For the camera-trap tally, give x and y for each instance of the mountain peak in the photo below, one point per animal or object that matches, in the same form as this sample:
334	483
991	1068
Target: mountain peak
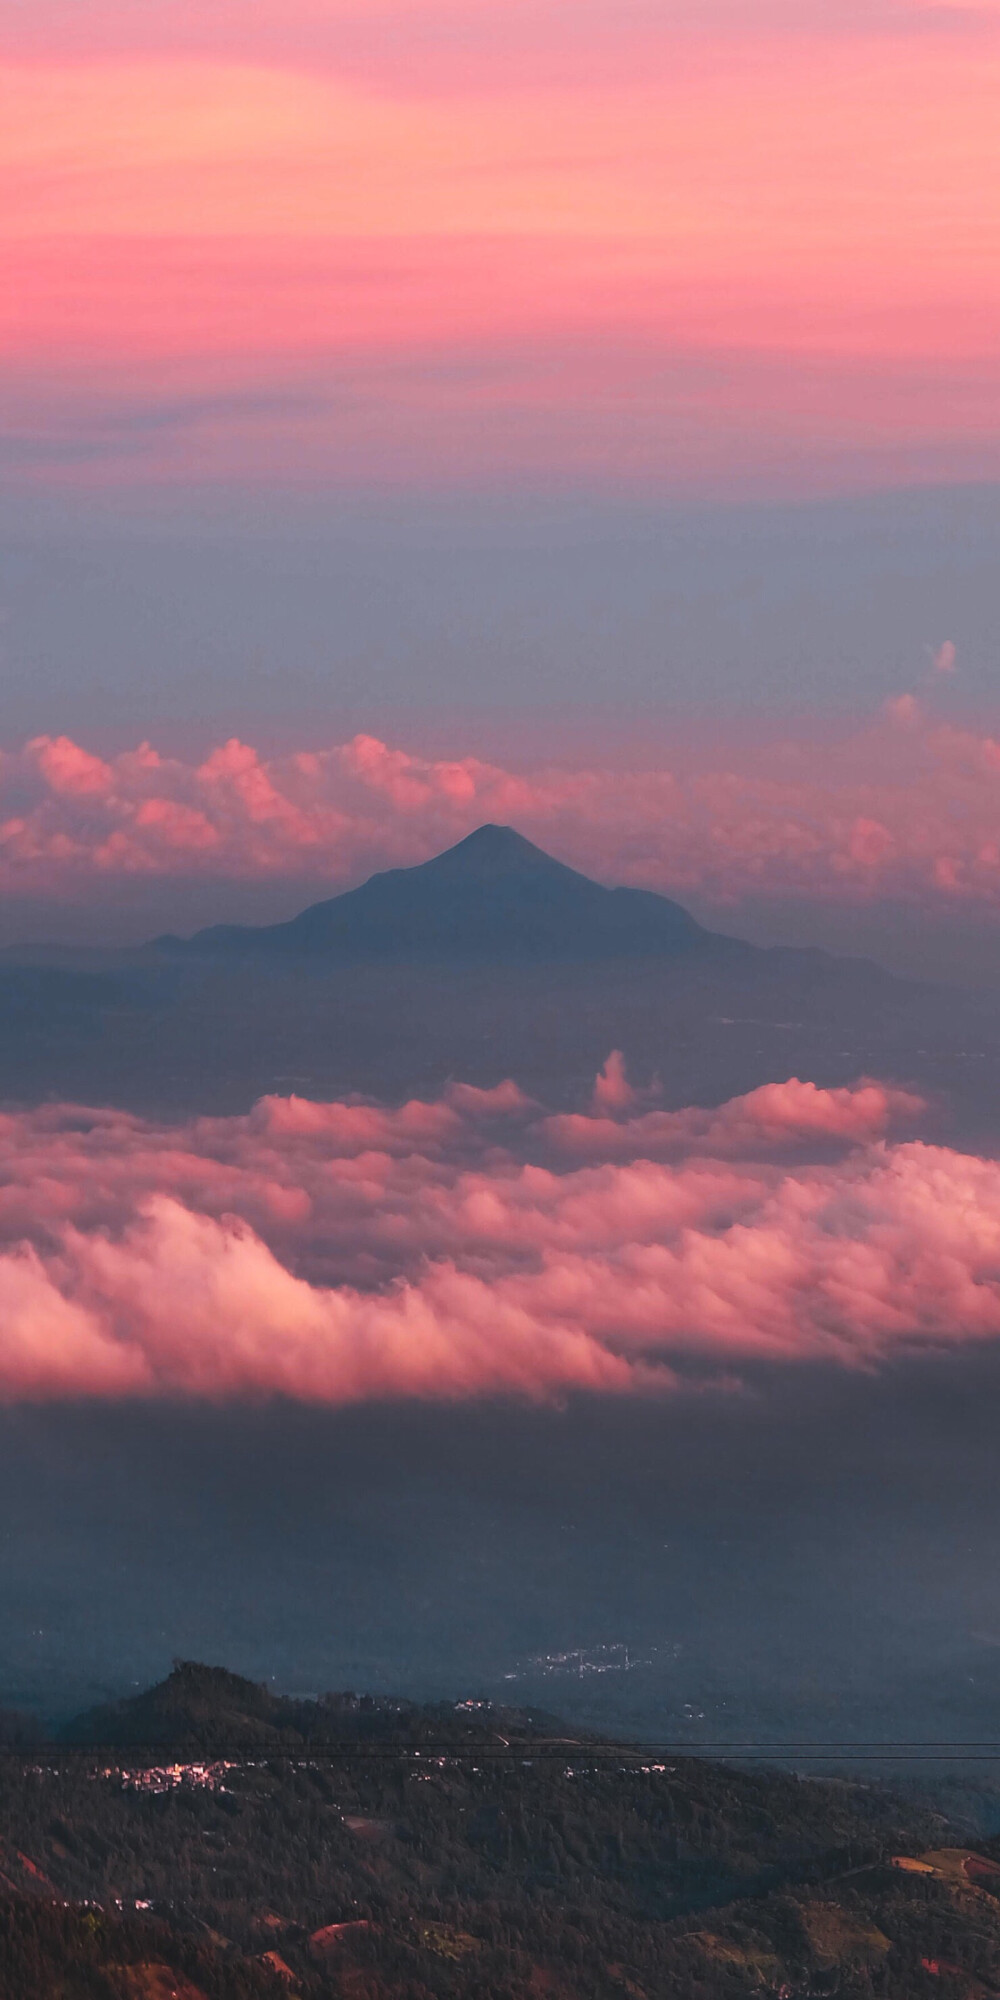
492	838
492	850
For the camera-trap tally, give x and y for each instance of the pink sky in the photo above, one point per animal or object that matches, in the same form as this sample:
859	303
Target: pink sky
692	247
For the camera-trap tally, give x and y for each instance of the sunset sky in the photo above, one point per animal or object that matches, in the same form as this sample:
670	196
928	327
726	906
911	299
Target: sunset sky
532	384
690	248
581	415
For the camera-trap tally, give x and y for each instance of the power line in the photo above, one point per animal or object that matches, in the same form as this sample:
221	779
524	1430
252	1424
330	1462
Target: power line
629	1755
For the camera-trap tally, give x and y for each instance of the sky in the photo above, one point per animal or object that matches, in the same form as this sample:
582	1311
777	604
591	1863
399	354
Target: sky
689	249
539	384
577	414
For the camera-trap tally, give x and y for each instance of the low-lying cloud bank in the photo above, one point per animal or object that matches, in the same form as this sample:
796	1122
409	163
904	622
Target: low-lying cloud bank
907	809
477	1245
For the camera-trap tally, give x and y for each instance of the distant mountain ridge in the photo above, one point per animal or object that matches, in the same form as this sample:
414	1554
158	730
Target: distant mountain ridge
495	894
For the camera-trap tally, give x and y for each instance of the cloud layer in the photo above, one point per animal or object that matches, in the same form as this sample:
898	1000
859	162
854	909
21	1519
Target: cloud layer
907	809
477	1246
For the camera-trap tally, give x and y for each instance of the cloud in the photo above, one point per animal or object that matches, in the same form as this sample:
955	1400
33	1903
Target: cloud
780	1115
473	1246
905	809
613	1091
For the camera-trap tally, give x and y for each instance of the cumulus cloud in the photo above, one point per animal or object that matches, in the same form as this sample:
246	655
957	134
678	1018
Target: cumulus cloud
905	809
777	1115
476	1245
612	1090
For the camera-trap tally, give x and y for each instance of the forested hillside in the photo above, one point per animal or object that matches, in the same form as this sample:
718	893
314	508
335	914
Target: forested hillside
463	1853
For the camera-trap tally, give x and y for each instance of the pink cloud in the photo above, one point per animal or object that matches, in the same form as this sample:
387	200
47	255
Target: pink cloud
613	1091
779	1115
69	771
906	809
347	1251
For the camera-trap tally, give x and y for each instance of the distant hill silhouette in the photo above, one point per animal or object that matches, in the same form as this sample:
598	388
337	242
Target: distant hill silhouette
210	1710
494	895
195	1706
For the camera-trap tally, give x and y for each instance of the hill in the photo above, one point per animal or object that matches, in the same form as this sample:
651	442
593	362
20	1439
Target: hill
54	1951
491	1870
214	1712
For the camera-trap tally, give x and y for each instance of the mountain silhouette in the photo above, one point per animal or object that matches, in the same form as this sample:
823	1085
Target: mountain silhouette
494	895
492	960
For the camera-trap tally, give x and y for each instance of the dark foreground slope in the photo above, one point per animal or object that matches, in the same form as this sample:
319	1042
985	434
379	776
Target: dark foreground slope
492	960
467	1866
51	1950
